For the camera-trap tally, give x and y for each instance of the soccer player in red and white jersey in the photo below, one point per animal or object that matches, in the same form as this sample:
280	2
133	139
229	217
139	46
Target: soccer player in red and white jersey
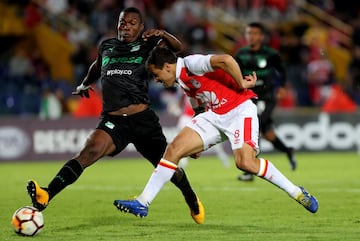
214	80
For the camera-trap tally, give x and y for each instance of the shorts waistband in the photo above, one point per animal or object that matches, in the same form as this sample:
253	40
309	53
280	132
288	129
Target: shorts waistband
123	117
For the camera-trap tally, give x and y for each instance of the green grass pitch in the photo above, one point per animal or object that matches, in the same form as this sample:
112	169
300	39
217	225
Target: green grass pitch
255	211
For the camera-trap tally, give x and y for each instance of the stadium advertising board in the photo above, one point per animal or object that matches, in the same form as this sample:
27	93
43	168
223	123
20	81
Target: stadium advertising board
33	139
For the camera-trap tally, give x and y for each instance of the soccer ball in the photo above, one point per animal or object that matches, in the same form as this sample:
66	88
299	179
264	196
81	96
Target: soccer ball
27	221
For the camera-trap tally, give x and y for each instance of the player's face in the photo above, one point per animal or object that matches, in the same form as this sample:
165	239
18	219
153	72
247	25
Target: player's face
254	36
129	27
164	75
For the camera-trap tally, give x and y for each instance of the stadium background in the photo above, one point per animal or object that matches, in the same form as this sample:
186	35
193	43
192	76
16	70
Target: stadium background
47	46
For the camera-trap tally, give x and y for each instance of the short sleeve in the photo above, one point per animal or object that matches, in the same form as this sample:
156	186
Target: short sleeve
198	64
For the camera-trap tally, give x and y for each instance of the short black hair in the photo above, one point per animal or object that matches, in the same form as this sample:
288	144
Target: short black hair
257	25
159	56
133	10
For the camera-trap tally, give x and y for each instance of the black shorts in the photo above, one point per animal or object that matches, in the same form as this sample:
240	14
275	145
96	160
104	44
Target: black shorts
142	129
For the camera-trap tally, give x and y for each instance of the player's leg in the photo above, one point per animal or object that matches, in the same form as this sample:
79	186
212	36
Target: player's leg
149	140
270	136
245	147
152	144
243	135
153	149
265	110
267	129
166	170
191	140
97	145
182	121
246	161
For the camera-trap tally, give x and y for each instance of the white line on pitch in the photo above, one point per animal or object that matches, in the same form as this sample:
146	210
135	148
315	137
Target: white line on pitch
209	189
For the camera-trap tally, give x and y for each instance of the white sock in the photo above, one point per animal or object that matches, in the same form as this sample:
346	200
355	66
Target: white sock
162	174
269	172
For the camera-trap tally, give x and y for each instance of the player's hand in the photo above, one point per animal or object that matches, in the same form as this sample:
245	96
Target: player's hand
250	80
152	32
83	90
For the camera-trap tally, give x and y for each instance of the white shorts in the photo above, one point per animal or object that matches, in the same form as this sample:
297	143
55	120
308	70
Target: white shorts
183	120
239	126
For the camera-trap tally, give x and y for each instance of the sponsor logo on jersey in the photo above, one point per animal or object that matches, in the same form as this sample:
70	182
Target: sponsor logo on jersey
135	48
124	60
211	99
262	63
119	72
109	125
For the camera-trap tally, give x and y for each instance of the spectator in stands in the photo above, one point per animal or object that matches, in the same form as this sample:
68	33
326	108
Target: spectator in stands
32	15
320	74
80	60
103	18
50	108
20	65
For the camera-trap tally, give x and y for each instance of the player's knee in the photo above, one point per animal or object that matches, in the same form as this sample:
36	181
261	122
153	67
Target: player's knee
173	152
91	152
93	146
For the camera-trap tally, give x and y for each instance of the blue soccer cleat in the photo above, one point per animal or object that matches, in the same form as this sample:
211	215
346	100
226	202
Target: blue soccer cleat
132	206
307	200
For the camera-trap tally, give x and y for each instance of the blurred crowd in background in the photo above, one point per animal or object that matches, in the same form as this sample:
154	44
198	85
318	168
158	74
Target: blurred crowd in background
322	57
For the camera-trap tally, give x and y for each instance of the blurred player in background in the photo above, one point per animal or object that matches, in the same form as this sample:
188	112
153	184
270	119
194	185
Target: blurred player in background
214	80
270	86
126	116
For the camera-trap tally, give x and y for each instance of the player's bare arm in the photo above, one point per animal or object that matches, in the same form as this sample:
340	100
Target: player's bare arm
230	66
